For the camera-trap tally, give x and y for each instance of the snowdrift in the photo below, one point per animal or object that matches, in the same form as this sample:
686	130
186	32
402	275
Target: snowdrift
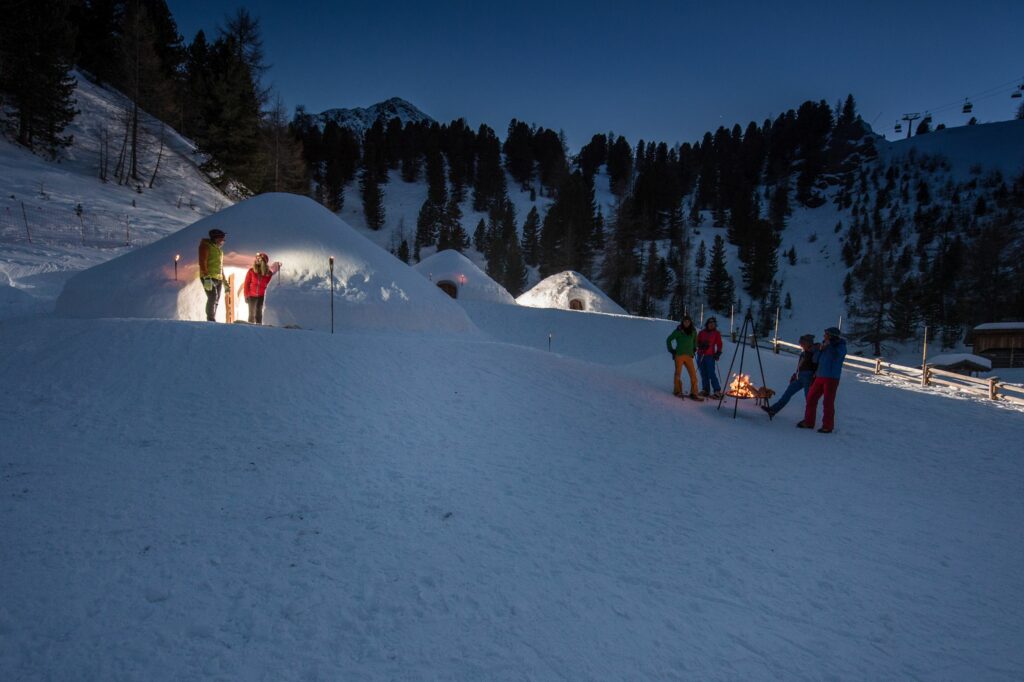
373	289
569	290
451	271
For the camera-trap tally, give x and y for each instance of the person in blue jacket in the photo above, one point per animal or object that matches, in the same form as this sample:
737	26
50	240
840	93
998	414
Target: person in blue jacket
831	355
802	378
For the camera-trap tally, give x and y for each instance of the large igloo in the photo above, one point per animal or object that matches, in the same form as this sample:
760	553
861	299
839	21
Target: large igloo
373	289
569	290
461	279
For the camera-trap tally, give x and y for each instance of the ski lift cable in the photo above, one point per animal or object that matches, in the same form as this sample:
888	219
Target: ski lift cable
1001	89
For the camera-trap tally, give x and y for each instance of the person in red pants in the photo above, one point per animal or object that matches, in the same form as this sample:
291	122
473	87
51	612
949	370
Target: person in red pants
826	382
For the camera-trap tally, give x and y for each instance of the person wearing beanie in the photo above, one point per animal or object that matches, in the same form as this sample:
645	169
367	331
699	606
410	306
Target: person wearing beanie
802	378
211	270
831	355
255	286
682	343
709	349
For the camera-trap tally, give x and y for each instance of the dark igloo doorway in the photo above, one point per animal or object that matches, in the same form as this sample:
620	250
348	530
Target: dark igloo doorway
448	288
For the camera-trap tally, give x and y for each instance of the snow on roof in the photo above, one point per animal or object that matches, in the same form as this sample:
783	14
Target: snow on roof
1000	326
472	282
948	359
558	291
373	289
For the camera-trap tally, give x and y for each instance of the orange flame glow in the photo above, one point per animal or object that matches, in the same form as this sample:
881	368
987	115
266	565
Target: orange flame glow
742	388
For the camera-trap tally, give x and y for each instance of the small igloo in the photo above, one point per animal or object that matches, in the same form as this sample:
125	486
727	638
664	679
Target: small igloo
372	288
461	279
569	290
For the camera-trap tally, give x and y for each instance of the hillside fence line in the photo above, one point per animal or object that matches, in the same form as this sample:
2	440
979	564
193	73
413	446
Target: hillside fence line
29	223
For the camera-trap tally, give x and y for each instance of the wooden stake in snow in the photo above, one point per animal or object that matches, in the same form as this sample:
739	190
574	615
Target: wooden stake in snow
330	262
24	216
924	358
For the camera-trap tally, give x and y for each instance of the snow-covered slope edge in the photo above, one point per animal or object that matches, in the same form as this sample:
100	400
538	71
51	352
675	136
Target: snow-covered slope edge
54	193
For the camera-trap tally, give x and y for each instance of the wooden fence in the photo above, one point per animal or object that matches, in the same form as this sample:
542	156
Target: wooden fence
926	375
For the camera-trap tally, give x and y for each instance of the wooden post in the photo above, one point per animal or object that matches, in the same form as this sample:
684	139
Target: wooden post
549	341
330	261
924	358
229	300
775	344
840	323
700	320
24	217
993	388
878	365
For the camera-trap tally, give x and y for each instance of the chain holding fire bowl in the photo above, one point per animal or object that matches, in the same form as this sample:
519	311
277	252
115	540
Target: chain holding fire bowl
741	388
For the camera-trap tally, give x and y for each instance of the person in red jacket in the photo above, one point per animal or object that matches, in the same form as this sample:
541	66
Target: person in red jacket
255	286
709	349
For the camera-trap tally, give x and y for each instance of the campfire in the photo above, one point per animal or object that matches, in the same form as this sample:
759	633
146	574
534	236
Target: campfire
742	388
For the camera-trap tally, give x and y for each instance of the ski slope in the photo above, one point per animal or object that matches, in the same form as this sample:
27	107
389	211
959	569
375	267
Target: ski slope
185	500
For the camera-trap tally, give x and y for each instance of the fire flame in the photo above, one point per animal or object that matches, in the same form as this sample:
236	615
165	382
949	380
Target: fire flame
742	388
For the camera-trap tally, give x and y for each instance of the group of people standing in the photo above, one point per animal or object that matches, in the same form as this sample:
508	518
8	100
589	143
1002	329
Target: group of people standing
686	345
817	374
211	276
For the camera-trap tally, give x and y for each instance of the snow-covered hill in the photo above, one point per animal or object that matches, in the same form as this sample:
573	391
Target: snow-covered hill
65	202
359	119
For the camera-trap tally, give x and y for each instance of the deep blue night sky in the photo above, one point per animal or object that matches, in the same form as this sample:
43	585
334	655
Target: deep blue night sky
653	70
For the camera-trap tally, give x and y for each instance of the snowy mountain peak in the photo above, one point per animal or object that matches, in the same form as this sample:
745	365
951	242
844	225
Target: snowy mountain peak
358	119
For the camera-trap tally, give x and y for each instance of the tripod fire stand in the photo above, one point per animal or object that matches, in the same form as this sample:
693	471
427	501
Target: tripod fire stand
741	349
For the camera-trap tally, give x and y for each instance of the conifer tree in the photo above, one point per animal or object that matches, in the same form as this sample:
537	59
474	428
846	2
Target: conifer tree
36	47
718	286
373	199
531	236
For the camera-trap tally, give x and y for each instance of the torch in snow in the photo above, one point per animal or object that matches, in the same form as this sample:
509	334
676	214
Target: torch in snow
330	262
177	257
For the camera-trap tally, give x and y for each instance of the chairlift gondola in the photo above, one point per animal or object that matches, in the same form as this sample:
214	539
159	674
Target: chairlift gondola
1016	94
899	127
927	118
968	107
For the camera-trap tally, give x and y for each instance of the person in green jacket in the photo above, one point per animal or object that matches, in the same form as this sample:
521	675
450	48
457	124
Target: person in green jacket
211	270
684	338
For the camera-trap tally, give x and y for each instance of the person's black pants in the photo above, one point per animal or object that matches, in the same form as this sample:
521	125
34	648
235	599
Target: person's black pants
255	309
212	299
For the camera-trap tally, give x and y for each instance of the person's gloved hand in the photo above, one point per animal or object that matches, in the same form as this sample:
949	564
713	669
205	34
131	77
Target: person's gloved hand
718	356
792	378
207	283
275	266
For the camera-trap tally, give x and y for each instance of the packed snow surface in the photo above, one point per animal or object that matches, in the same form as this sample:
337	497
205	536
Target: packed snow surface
373	289
472	283
562	289
183	500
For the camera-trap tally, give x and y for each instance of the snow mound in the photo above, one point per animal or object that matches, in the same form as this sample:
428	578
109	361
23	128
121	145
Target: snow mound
569	290
451	270
373	289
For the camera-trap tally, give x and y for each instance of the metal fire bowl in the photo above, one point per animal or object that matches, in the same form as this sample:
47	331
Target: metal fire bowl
741	397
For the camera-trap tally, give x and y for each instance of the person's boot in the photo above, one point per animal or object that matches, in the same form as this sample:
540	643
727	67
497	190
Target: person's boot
824	430
804	425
